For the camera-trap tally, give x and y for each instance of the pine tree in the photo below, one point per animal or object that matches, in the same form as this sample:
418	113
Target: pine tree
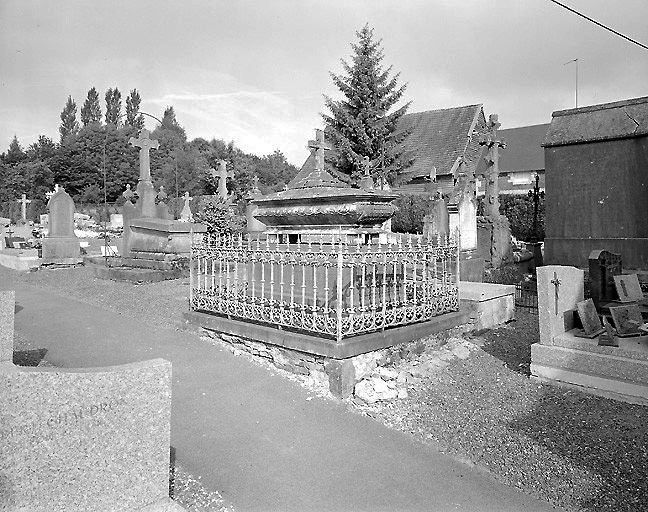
133	117
360	124
69	124
15	153
91	110
169	122
113	106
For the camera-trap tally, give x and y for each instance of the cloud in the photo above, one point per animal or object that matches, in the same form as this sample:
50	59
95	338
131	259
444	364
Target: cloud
257	121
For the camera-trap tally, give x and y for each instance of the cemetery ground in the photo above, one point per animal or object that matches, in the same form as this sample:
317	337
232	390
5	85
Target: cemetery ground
470	396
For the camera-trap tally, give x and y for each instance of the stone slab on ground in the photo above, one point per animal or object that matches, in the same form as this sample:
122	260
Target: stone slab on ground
492	304
130	274
20	259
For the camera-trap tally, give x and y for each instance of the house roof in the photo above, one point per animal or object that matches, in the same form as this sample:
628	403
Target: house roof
440	137
608	121
523	150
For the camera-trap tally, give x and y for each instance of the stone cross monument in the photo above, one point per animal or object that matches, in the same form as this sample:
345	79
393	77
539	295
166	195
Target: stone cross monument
145	189
491	141
186	215
320	146
222	174
23	207
366	182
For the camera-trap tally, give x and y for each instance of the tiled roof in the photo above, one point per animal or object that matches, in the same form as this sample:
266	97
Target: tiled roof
439	137
617	120
523	150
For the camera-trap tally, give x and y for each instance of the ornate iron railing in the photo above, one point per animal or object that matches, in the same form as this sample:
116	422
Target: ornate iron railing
330	288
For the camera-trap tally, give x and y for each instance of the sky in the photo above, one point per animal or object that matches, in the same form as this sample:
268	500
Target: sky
254	72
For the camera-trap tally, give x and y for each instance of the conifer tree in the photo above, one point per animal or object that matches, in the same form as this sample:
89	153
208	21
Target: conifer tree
15	153
113	106
91	110
69	124
361	123
133	117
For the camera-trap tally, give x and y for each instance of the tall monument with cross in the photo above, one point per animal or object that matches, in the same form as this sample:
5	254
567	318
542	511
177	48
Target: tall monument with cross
23	207
491	140
319	146
145	189
221	175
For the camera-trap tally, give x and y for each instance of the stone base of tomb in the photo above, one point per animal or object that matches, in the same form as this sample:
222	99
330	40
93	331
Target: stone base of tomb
342	364
620	372
116	269
491	304
471	266
61	251
20	259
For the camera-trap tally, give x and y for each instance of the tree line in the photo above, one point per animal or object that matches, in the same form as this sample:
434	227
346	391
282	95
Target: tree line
94	161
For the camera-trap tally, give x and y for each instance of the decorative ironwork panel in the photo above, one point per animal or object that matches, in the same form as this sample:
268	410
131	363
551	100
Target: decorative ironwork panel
328	288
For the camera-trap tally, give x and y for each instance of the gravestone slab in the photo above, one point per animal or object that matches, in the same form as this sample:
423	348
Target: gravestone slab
589	318
628	288
61	244
560	288
603	266
93	439
627	319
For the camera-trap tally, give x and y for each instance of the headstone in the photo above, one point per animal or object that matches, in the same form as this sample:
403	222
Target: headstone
589	318
603	266
44	219
129	212
467	223
23	207
116	220
61	244
436	222
85	439
253	225
185	214
145	190
48	195
559	290
627	319
628	288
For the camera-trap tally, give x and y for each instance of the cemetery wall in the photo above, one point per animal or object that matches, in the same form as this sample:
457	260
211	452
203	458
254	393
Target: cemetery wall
599	200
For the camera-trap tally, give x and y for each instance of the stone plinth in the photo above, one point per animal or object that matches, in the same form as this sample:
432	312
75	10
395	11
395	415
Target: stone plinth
492	304
64	250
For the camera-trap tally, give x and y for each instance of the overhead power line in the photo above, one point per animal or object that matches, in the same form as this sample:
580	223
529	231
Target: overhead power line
600	24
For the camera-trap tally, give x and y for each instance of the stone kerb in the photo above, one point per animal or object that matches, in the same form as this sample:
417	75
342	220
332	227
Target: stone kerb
559	289
7	301
84	440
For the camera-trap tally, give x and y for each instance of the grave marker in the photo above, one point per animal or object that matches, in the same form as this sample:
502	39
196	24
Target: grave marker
560	288
589	319
23	207
61	244
628	288
627	319
603	266
83	439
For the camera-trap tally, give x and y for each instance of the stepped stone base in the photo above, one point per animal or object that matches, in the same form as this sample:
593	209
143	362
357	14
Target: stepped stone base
615	372
20	259
61	250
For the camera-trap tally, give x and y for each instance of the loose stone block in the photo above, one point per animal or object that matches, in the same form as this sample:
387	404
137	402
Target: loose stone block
341	377
560	288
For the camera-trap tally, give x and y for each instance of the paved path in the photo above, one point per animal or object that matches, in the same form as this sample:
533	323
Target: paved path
259	439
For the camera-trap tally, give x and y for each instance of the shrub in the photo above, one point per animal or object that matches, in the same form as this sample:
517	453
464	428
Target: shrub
219	217
411	210
519	211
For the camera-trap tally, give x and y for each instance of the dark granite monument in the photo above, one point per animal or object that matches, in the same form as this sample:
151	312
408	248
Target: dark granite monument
603	266
597	183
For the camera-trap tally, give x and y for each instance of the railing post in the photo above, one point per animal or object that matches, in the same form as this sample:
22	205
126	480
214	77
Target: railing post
338	307
191	251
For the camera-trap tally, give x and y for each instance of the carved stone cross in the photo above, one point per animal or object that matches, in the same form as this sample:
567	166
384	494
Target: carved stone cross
365	166
556	282
320	146
491	141
23	206
145	143
221	175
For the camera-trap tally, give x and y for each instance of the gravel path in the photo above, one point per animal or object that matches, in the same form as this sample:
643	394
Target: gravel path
577	451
